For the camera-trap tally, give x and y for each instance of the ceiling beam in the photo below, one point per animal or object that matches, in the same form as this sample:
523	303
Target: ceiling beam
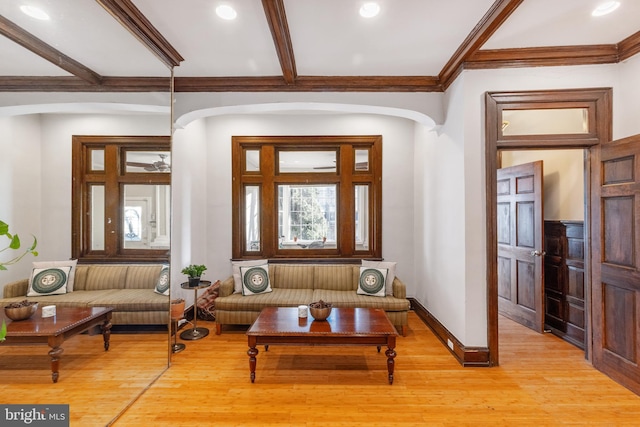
277	20
543	56
490	22
309	84
133	20
42	49
629	46
75	84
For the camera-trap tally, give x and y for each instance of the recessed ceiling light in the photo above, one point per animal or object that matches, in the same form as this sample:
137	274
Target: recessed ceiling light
369	10
226	12
34	12
605	8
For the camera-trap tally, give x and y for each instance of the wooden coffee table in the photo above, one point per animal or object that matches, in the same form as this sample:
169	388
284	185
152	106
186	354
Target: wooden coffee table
345	326
55	330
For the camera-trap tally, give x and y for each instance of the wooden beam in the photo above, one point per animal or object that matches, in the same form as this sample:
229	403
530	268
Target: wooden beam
629	46
543	56
51	54
133	20
309	84
75	84
277	20
490	22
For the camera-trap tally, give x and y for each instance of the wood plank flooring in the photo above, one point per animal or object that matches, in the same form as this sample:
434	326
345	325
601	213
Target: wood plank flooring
542	381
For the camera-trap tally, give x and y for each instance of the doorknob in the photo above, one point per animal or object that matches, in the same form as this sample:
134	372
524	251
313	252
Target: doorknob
538	253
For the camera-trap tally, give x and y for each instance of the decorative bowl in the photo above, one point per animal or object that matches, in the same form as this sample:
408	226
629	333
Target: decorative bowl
20	311
320	310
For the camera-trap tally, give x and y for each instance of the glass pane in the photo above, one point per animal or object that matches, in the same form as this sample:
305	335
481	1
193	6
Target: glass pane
362	217
146	216
362	160
97	217
148	161
307	216
307	161
252	160
545	121
97	160
252	217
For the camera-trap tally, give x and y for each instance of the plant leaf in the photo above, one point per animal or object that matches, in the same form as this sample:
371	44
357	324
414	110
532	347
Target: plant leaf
3	330
15	242
4	228
33	246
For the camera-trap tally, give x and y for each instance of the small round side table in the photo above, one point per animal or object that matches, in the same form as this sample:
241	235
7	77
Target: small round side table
195	333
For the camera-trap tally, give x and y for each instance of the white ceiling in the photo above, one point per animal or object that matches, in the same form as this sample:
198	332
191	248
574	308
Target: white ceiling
328	37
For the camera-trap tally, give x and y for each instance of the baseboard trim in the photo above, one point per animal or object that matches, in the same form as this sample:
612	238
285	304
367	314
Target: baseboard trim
466	356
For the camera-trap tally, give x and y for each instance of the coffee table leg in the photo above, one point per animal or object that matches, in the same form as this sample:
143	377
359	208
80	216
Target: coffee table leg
252	352
106	333
55	354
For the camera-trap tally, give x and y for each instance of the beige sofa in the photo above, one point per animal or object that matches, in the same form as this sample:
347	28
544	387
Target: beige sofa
298	284
128	288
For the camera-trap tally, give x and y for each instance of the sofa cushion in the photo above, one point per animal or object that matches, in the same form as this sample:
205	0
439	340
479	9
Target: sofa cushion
103	277
391	272
353	300
237	278
372	281
142	276
73	299
255	280
291	276
73	263
163	284
276	298
132	300
48	281
336	277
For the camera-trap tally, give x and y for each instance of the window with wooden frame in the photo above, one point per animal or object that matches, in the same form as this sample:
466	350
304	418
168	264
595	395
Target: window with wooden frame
307	196
121	198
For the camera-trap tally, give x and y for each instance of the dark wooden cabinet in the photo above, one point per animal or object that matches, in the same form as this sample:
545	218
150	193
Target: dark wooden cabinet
564	280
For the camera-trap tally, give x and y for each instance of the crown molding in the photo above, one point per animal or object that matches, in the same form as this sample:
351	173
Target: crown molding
543	56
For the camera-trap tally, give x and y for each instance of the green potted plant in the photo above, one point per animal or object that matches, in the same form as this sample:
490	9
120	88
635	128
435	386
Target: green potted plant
194	272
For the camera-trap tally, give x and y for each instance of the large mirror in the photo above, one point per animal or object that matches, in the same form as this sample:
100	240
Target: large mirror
59	78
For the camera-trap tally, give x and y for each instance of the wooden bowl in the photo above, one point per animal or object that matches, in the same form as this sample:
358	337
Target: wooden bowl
21	313
319	313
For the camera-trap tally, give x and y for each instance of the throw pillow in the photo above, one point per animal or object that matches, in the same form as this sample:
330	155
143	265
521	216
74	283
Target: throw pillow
237	277
73	263
163	284
49	281
207	302
372	281
391	272
255	280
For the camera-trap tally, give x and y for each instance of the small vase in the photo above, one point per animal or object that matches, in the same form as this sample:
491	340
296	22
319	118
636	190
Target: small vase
177	309
194	282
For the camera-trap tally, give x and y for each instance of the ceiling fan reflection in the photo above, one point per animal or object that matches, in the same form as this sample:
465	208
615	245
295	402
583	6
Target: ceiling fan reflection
158	166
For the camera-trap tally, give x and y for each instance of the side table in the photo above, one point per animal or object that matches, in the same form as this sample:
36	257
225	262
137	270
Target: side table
195	333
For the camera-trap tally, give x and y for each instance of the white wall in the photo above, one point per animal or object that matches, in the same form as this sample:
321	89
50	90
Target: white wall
214	225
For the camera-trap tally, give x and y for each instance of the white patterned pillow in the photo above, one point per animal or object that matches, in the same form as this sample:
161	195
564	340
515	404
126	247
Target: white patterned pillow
255	279
237	277
391	272
48	281
163	284
73	263
372	281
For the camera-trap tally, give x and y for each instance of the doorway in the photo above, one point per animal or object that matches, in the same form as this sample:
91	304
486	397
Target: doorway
560	305
593	105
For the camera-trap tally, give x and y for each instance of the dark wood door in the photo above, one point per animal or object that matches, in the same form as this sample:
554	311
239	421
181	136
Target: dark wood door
615	212
520	244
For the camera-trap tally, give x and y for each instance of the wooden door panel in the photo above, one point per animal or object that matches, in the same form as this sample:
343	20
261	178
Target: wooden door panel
519	229
615	260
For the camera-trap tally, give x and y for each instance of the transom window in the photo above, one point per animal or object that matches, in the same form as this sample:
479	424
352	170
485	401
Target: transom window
121	198
307	196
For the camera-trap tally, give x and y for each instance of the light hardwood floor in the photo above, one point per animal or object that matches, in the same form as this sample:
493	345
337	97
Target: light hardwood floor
542	380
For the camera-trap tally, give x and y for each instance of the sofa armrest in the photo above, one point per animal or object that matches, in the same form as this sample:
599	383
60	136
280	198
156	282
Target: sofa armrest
226	287
19	288
399	288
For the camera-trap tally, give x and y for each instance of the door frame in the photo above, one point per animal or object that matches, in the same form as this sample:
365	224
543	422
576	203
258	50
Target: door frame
598	103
